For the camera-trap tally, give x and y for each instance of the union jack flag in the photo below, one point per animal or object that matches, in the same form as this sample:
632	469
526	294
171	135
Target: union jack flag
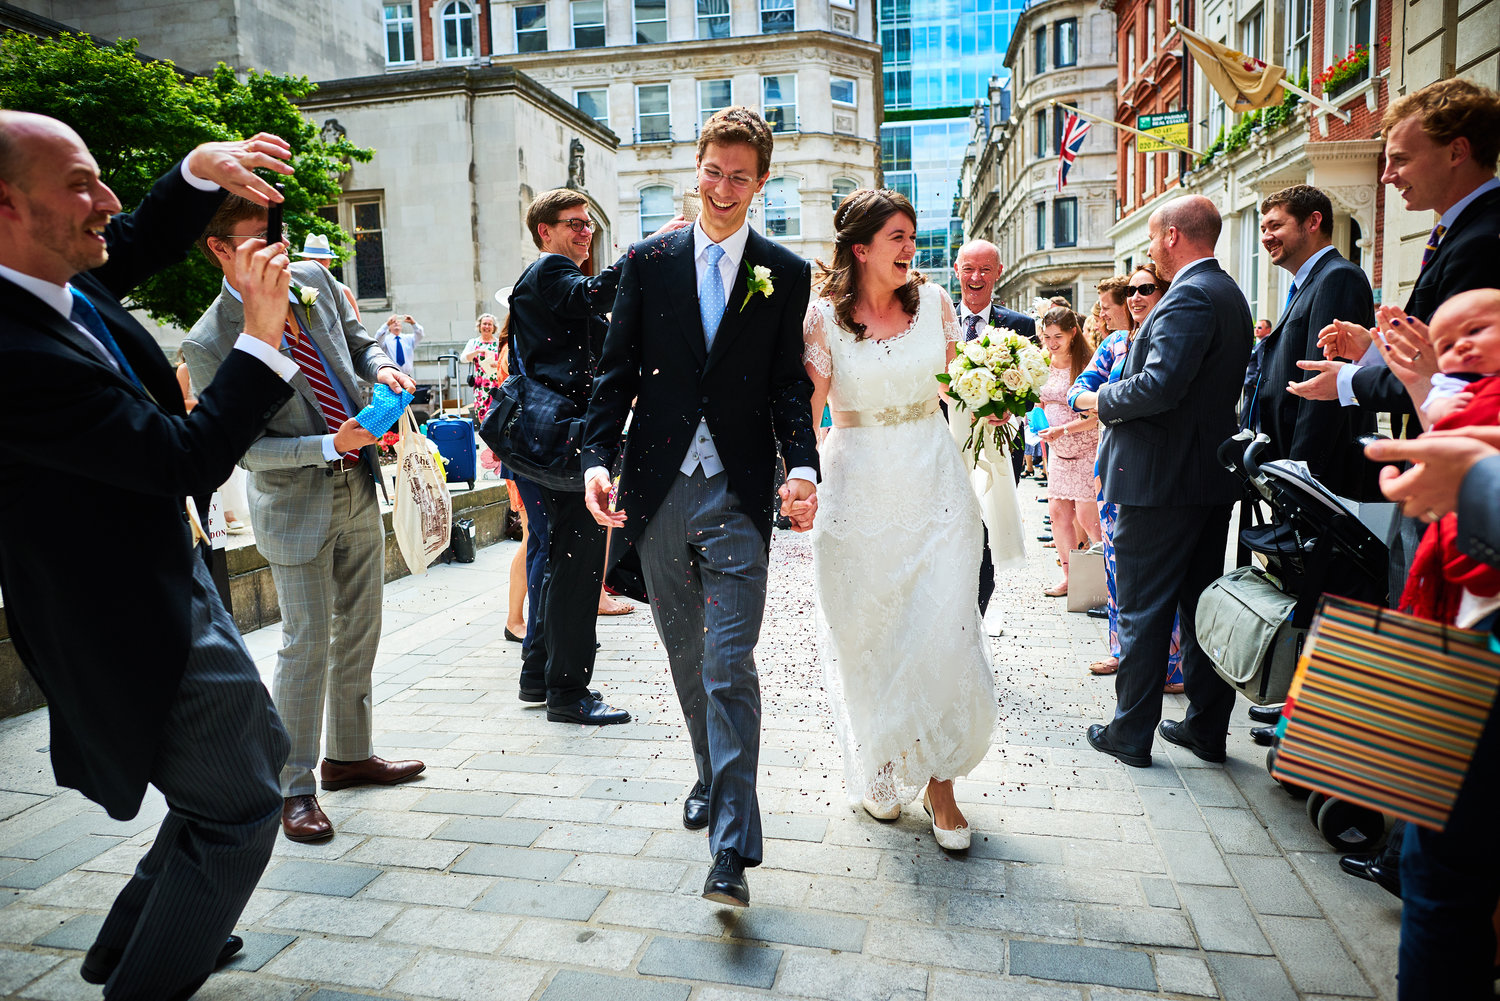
1074	129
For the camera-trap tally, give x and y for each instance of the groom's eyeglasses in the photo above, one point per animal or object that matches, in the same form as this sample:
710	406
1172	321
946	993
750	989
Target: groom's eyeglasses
1147	289
737	181
576	225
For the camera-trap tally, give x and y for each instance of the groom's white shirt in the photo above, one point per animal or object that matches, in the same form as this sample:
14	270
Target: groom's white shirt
701	450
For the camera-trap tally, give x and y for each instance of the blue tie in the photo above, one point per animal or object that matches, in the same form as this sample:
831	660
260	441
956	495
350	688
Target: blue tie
85	315
1291	294
400	354
711	294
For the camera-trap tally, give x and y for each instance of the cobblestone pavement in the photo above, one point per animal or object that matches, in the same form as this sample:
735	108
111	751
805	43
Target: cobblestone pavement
535	860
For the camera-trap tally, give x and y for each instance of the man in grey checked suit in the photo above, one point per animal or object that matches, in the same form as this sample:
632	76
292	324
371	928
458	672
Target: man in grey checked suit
316	520
1172	408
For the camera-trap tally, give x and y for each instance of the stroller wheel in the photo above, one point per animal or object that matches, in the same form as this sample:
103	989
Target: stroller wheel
1315	803
1350	828
1292	788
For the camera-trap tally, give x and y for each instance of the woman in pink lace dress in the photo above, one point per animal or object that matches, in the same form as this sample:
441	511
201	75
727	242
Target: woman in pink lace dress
1070	464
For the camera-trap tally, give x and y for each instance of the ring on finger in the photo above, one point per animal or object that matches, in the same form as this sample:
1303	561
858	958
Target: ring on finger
1416	354
1430	515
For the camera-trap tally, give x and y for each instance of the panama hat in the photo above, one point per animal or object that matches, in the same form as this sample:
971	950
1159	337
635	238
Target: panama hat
503	296
316	245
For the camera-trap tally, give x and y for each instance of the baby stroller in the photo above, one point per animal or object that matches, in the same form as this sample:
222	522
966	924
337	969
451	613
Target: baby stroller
1253	621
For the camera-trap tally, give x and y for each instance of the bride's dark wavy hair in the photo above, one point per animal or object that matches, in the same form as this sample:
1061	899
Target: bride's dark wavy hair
859	218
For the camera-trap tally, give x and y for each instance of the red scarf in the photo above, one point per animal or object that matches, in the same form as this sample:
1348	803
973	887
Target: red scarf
1440	573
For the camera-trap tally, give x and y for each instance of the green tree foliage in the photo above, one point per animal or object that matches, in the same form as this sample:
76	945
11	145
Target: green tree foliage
140	118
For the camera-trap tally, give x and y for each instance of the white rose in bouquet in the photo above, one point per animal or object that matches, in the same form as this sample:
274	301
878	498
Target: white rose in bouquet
995	356
975	387
956	367
1013	380
975	352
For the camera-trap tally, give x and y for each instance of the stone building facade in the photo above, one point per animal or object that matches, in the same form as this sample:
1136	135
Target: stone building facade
1051	242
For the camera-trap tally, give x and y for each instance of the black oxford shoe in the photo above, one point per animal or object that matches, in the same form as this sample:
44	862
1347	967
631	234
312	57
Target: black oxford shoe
589	712
1369	867
1264	714
695	808
540	695
726	880
1098	737
1265	736
1178	734
100	961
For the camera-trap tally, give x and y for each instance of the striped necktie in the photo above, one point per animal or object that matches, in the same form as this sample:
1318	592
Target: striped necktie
1432	243
306	357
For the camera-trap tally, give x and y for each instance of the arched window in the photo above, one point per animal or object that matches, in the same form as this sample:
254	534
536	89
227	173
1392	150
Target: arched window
657	208
842	188
458	30
783	207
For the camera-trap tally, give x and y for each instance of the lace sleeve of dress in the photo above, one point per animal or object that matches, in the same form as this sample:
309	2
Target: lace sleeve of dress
815	342
951	330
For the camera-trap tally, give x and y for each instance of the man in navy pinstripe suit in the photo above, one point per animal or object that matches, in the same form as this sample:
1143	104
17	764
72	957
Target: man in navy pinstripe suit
153	684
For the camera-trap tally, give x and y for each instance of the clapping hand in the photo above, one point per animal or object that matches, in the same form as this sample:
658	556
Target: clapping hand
1323	386
1407	349
1342	339
231	165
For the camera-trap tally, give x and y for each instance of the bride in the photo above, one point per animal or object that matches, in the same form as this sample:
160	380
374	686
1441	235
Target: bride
897	542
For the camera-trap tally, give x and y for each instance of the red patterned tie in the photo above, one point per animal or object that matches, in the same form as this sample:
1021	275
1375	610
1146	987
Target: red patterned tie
306	357
1432	243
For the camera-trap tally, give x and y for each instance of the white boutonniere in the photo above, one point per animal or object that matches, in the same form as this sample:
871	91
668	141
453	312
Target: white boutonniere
760	281
306	296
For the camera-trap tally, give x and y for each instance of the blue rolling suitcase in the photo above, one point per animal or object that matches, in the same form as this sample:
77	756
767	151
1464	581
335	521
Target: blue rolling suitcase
454	437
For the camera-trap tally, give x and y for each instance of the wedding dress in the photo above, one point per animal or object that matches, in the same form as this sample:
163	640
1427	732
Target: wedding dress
896	545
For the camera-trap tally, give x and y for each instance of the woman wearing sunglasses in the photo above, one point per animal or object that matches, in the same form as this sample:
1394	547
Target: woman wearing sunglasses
1125	303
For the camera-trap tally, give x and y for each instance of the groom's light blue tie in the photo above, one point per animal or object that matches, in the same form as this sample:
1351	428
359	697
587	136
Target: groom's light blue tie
711	294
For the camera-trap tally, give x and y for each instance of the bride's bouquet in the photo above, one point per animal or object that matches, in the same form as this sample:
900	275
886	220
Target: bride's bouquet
999	372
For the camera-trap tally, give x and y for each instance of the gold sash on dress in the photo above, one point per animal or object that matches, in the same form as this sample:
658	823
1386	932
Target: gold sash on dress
888	416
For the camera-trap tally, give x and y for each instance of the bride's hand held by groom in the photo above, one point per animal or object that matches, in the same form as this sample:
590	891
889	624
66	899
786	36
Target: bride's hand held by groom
596	497
799	503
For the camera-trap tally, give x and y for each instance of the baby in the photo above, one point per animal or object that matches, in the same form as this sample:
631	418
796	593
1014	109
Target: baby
1465	336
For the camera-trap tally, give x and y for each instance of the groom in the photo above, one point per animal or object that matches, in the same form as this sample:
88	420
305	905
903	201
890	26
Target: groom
716	388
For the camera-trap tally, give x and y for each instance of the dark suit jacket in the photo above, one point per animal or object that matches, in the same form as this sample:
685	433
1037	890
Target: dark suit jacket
751	388
1174	404
1320	432
1478	514
106	637
1021	323
556	323
1467	258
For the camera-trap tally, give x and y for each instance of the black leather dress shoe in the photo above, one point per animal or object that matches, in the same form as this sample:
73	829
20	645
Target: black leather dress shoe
1098	612
1265	714
695	808
1177	733
726	880
100	961
1369	867
540	695
1098	736
589	712
1265	736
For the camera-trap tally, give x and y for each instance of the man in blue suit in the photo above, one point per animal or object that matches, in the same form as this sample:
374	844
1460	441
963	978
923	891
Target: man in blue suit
1168	414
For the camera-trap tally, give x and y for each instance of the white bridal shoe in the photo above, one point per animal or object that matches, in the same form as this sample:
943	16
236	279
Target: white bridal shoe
881	811
956	840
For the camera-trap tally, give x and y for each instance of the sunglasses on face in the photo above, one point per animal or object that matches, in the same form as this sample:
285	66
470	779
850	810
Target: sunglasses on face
1147	289
576	225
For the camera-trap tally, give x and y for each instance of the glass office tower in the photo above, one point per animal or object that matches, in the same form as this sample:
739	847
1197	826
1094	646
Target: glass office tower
939	56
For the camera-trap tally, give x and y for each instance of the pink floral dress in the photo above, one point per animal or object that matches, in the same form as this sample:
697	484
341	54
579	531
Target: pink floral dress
1070	459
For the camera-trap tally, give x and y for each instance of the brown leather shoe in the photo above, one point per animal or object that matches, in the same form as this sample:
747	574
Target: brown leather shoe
303	820
371	771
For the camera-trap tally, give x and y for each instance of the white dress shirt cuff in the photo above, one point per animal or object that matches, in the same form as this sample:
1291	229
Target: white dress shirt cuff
273	359
329	452
1345	379
803	473
595	473
196	181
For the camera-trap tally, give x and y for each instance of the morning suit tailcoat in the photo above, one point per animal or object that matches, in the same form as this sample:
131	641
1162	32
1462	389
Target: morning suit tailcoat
1468	257
1320	432
1175	400
107	636
290	499
751	387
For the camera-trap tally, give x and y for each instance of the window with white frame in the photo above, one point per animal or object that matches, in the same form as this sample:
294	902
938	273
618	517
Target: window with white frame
1130	47
653	114
400	34
1065	222
1040	208
1218	116
842	188
843	91
657	208
777	16
1298	48
650	21
1065	42
713	95
778	96
594	102
457	26
1039	50
1149	178
364	271
1253	34
1150	29
588	24
783	205
1250	258
531	27
713	18
1351	23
